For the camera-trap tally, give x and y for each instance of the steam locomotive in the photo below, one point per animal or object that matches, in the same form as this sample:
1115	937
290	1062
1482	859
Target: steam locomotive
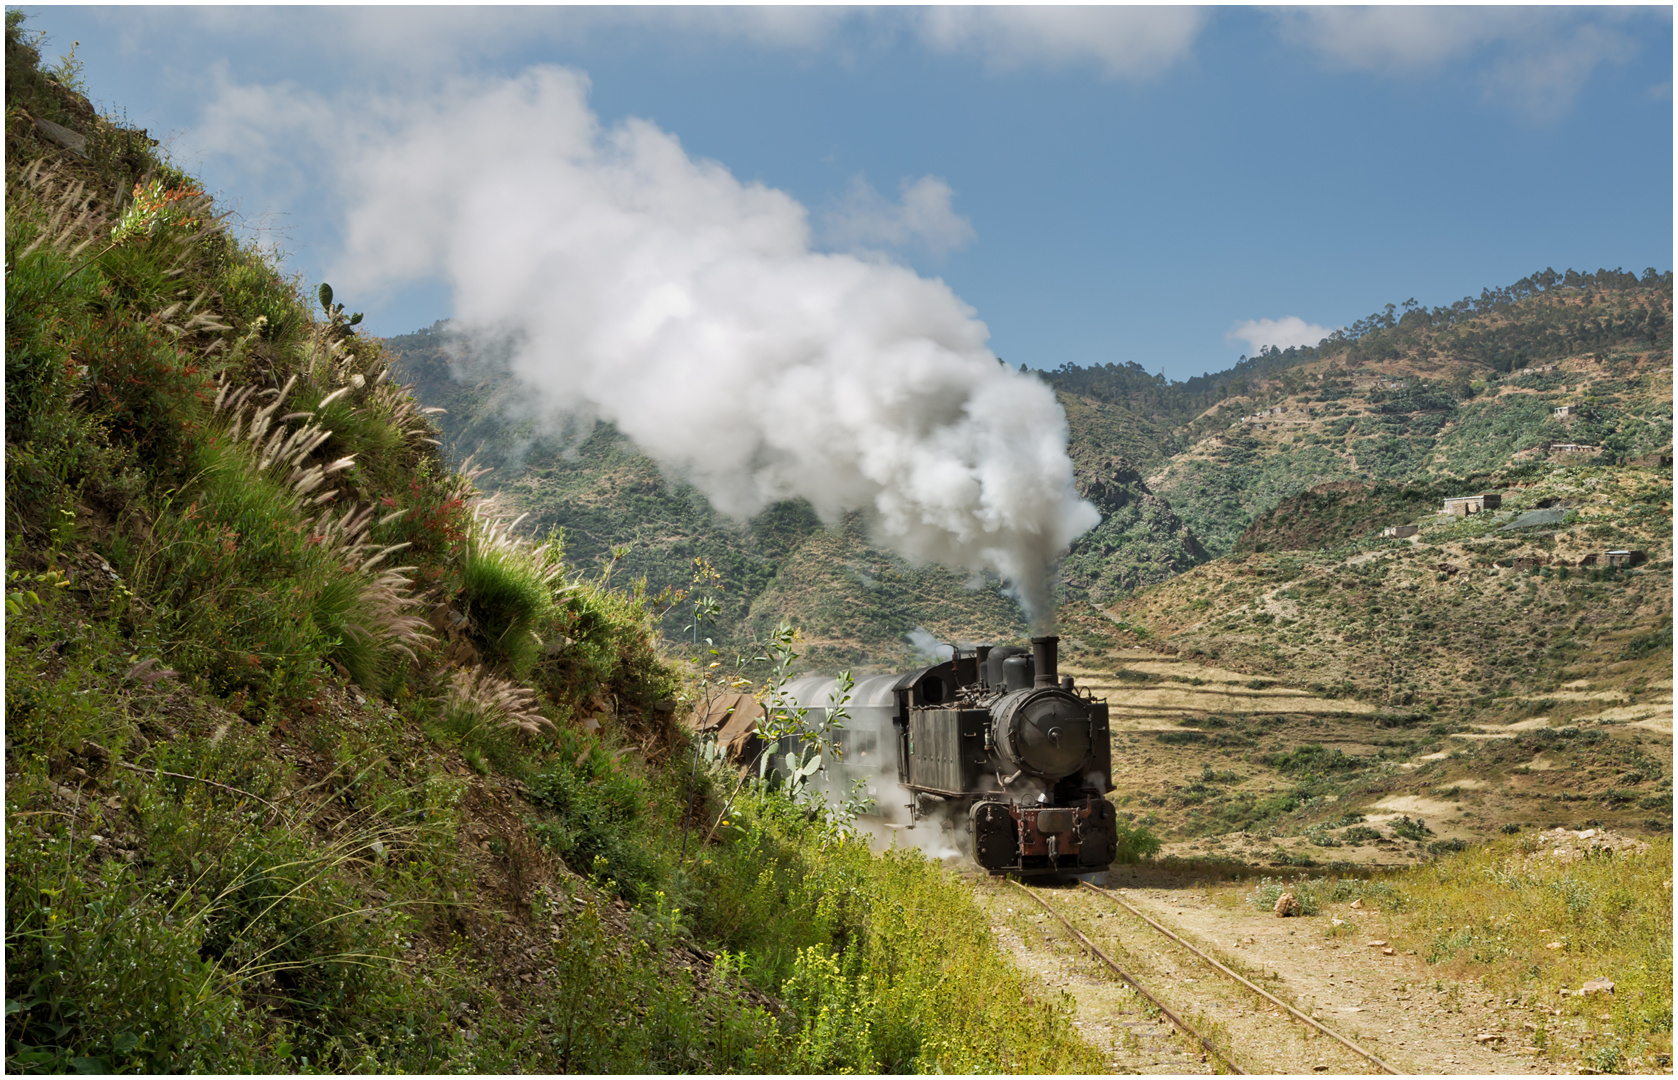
990	743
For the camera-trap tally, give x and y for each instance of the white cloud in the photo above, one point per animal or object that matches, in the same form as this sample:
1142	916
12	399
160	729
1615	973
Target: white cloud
1543	80
1389	40
1135	42
923	217
636	283
276	135
1277	333
410	43
1533	59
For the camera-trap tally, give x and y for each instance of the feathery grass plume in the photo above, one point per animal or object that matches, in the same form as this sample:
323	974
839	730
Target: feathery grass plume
371	417
493	532
155	235
492	700
71	222
465	480
148	672
368	609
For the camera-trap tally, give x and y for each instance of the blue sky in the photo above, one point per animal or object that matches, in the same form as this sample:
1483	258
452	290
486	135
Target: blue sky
1098	184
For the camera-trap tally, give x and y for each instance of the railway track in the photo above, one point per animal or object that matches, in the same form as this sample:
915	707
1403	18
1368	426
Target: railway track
1212	1049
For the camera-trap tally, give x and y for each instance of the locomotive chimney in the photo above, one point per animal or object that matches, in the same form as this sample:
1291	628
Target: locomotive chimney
1044	656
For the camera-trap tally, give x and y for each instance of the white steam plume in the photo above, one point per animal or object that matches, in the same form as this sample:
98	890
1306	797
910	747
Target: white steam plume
690	309
929	648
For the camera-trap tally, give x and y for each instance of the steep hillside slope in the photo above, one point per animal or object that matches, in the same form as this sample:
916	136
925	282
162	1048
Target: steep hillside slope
277	804
1139	541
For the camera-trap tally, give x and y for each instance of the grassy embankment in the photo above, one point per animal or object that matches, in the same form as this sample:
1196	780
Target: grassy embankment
312	767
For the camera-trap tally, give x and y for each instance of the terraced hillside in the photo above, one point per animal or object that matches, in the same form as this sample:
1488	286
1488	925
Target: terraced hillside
1257	771
1445	621
1435	402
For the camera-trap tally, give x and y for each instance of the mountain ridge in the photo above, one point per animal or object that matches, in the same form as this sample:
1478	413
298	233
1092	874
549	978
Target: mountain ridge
1420	396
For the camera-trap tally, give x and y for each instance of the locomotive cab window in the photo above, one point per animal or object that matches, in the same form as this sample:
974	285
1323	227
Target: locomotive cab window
932	690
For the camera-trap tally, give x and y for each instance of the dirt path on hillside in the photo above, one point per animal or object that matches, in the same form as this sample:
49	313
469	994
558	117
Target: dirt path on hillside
1392	1006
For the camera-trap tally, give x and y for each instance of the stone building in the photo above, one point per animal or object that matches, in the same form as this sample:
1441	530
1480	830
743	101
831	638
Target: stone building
1464	505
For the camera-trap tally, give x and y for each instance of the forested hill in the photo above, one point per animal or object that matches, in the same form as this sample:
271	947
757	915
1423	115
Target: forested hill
1409	394
1434	395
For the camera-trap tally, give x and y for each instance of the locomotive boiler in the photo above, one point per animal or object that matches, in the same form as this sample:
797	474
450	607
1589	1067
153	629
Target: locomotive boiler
991	743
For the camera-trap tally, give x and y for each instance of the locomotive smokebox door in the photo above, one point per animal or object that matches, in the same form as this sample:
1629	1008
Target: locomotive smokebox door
996	841
1046	733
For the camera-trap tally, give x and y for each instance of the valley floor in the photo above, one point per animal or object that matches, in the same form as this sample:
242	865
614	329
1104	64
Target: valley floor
1315	795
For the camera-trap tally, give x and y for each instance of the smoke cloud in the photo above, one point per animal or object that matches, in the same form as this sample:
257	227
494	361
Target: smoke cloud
928	647
922	218
637	284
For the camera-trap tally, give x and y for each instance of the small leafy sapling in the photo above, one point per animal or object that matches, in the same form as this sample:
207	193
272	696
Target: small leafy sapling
339	325
707	581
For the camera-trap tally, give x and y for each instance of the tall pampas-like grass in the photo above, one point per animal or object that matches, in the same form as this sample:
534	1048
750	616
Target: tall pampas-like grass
489	700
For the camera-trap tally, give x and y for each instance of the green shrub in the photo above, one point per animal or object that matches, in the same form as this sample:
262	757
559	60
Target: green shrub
1655	641
602	827
255	298
1312	759
1136	842
105	980
1407	829
509	603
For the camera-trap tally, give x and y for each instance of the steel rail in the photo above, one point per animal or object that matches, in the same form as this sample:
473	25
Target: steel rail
1353	1047
1095	951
